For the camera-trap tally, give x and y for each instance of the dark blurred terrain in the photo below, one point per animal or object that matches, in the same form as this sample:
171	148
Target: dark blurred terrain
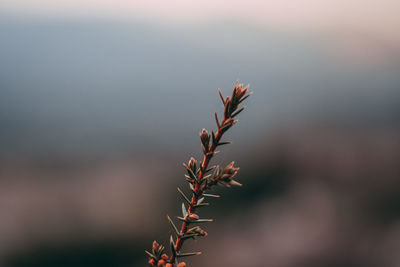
97	117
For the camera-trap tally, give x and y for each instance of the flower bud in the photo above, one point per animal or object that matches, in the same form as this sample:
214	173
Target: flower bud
181	264
193	216
229	172
156	246
164	256
152	262
192	164
203	233
205	139
168	265
161	263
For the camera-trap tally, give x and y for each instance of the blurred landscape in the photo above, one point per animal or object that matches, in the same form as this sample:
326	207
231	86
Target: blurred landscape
97	114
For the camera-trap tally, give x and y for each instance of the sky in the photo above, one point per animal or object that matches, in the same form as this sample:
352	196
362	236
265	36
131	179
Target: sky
363	29
344	54
362	15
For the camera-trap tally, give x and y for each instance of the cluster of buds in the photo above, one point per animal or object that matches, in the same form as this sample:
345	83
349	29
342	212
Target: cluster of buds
196	231
233	103
200	180
157	257
160	259
192	170
225	176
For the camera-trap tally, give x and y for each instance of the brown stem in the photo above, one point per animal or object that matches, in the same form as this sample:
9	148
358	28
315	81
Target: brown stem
198	191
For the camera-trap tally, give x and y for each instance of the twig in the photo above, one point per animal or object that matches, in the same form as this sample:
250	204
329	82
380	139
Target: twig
200	181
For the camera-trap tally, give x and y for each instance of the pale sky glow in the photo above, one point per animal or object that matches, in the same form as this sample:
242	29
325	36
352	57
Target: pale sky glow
361	15
369	24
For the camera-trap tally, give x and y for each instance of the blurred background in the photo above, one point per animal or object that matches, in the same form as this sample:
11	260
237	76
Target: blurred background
101	102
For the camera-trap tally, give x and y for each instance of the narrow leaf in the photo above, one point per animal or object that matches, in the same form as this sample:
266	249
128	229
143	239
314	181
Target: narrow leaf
184	212
181	255
151	255
200	200
191	187
188	236
233	182
224	143
206	177
191	174
237	112
211	195
202	221
202	205
244	98
220	95
210	169
172	245
216	120
184	196
213	138
173	226
181	219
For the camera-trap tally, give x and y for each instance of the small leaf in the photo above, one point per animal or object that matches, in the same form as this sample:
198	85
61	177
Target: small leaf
237	112
151	255
211	195
205	177
181	255
172	245
224	143
210	169
213	138
202	205
184	212
200	200
189	236
191	187
233	182
216	120
181	219
220	95
202	221
173	226
191	174
203	148
244	98
184	196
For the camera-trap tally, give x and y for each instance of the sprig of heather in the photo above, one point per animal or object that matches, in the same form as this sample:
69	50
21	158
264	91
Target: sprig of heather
201	179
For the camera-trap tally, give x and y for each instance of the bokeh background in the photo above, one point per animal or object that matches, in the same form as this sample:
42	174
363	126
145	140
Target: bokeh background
101	102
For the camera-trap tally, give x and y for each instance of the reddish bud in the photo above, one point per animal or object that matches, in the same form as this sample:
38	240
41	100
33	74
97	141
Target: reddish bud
192	164
205	138
181	264
152	262
156	246
164	256
203	233
168	265
193	216
161	263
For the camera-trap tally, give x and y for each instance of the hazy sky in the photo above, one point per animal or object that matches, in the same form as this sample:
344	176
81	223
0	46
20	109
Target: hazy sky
365	27
372	15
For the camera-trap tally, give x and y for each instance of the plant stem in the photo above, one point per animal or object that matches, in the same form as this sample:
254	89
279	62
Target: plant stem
198	190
